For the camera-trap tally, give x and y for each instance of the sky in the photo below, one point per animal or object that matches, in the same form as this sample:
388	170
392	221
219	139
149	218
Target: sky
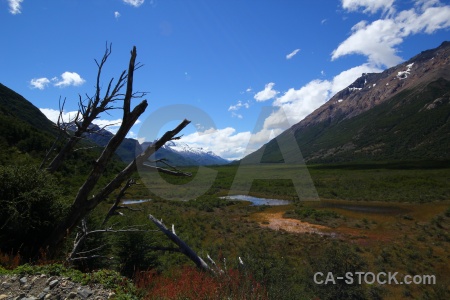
241	71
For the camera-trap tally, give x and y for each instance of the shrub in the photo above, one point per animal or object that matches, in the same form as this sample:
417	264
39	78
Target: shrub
192	283
30	206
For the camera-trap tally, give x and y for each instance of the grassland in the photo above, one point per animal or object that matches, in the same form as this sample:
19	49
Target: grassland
383	217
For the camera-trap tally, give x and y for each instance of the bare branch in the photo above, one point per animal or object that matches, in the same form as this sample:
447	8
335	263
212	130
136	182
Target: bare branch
184	248
119	197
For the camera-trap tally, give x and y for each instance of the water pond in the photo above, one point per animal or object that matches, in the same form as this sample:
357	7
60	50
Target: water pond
134	201
256	201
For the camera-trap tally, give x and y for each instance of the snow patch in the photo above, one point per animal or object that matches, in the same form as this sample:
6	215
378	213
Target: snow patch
354	89
404	74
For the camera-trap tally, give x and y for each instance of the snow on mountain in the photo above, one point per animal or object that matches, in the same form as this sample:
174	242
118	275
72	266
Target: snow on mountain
201	156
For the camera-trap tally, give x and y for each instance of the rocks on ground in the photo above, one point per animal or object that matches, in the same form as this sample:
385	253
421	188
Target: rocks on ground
42	287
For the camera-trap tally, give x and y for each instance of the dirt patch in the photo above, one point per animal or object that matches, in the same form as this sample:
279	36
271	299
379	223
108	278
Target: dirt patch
276	221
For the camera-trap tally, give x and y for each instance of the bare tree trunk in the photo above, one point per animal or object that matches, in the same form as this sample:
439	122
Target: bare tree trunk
184	248
83	205
84	201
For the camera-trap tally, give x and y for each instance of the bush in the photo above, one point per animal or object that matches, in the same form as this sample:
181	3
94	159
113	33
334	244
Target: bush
30	206
192	283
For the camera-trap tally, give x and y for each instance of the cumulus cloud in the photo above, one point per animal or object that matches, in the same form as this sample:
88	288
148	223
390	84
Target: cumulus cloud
116	15
15	6
69	116
368	6
292	54
239	105
39	83
135	3
226	142
266	94
378	40
53	114
287	109
68	79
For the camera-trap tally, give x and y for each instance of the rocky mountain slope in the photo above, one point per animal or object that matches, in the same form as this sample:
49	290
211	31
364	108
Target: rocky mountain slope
401	113
371	89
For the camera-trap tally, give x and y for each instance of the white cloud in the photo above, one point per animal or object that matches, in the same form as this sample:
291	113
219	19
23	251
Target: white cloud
39	83
288	109
107	123
135	3
292	54
68	79
238	105
266	94
53	114
297	104
379	39
15	6
368	6
116	15
68	116
226	142
424	4
236	115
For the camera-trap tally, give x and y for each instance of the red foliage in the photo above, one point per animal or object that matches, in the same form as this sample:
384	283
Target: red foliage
191	283
10	261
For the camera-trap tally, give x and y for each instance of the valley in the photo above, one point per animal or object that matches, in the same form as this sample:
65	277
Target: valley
393	216
368	192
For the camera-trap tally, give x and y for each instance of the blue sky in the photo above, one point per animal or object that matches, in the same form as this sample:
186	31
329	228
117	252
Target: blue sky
230	59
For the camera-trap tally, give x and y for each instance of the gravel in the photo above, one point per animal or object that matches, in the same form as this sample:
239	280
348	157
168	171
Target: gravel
42	287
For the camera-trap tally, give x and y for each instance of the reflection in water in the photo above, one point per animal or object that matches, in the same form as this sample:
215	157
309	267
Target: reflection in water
256	200
132	201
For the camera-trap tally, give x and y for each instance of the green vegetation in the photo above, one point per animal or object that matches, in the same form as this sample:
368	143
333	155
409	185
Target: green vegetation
31	204
409	233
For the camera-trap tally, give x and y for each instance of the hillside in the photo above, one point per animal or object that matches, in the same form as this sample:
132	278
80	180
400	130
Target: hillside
23	128
14	105
401	113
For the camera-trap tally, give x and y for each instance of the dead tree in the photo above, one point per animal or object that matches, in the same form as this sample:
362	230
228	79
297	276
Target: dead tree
84	202
182	246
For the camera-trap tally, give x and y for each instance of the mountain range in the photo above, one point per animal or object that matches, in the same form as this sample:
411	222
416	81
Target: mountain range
400	113
174	153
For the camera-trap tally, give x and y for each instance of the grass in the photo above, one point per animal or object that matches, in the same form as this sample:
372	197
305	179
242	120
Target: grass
409	236
416	182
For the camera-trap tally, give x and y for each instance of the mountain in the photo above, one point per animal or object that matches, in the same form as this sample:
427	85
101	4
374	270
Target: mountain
14	105
200	156
181	154
127	150
23	127
401	113
176	154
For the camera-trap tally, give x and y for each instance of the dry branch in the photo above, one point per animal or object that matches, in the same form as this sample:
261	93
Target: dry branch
184	248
